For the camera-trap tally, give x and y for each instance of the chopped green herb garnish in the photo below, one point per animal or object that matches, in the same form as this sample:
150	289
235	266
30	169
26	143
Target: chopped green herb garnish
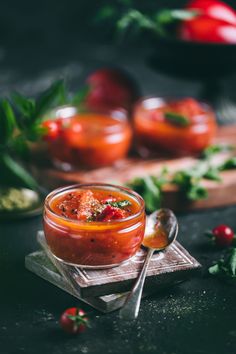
121	204
177	119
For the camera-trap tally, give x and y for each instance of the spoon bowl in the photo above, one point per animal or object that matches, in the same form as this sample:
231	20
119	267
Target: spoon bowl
161	230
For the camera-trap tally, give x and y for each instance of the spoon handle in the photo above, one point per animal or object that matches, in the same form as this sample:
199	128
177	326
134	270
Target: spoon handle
130	309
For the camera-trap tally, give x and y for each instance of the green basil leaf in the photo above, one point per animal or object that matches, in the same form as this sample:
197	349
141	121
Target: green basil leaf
7	122
53	96
24	105
229	164
14	175
80	96
215	269
215	149
134	17
213	174
121	204
231	262
177	119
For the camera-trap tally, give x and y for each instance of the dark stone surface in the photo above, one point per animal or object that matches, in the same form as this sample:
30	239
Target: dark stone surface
39	42
195	317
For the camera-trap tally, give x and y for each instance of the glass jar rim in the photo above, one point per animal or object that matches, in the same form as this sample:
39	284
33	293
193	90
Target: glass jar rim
108	186
119	114
168	99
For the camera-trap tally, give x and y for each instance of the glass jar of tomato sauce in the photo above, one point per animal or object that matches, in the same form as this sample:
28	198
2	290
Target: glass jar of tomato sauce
179	127
94	225
88	139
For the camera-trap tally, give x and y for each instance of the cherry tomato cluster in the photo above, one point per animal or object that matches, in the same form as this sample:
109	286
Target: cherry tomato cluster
222	235
215	22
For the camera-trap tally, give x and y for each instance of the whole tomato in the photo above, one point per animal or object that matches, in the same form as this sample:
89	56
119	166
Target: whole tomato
74	320
207	29
214	9
111	88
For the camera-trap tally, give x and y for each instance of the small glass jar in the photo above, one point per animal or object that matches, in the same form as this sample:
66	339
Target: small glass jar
178	127
94	244
89	139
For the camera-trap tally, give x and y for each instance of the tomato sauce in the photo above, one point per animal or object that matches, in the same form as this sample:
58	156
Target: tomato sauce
157	240
91	140
94	226
178	127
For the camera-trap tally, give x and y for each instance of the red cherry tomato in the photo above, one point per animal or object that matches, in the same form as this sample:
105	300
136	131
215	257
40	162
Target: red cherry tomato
74	320
214	9
207	29
223	235
111	88
111	213
52	130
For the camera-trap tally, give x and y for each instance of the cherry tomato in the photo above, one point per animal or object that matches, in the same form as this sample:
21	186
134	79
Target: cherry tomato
111	213
207	29
74	320
223	235
214	9
52	130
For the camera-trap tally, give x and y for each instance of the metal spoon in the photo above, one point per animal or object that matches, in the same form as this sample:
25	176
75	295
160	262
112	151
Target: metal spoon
161	230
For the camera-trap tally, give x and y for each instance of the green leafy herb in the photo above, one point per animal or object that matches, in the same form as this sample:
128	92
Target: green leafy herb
189	183
25	106
7	122
212	150
135	18
229	164
54	96
13	174
121	204
79	97
127	17
225	267
150	188
213	174
177	119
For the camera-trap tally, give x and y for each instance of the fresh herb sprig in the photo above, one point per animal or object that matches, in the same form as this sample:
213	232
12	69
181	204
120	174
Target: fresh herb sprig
128	18
189	180
21	123
225	267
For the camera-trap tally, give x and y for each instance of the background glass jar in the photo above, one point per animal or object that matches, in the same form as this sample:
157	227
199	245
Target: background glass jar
176	126
94	244
89	139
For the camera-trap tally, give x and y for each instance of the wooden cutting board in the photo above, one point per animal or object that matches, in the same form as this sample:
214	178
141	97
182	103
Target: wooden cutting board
219	194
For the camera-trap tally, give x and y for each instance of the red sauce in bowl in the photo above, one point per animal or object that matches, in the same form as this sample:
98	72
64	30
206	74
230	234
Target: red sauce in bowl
179	127
94	225
90	139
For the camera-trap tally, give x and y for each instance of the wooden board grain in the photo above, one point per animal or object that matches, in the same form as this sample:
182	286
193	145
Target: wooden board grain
219	194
